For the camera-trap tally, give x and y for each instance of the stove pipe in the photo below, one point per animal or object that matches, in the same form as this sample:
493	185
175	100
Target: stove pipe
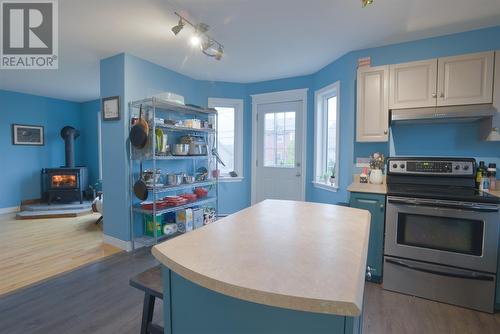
69	134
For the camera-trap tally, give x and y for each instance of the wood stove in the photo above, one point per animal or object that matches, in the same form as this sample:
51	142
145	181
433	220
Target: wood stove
66	183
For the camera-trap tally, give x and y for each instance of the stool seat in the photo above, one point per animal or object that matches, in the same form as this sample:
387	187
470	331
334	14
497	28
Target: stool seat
149	281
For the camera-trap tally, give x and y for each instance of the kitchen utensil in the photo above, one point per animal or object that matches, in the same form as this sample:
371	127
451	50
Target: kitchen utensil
192	123
151	176
181	149
217	156
161	141
197	144
139	132
188	179
140	187
174	179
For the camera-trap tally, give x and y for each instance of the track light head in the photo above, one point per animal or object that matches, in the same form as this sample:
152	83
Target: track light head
219	53
177	29
206	44
365	3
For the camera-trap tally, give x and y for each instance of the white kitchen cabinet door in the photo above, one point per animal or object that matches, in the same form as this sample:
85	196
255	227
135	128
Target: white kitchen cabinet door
372	114
413	85
466	79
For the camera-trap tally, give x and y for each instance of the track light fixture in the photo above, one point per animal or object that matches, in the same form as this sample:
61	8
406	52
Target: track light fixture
177	29
365	3
209	46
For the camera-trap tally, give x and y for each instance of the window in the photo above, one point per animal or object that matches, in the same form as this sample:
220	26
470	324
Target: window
279	140
229	136
326	130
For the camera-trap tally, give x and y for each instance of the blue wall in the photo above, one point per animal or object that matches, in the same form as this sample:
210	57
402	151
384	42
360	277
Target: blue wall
448	140
89	138
21	165
142	78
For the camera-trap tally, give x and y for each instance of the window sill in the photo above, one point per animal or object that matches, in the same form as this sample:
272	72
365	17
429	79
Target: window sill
229	179
325	186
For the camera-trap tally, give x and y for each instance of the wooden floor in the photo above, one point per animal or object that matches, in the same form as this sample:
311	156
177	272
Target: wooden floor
37	249
98	299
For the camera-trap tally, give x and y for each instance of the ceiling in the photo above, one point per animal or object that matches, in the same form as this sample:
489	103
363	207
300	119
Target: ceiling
263	39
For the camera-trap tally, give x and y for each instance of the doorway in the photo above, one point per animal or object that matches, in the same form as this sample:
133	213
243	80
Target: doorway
278	150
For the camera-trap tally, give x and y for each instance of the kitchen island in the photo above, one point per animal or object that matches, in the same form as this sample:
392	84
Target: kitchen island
276	267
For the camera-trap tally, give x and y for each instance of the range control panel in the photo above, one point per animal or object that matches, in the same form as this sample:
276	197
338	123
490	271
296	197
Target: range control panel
431	167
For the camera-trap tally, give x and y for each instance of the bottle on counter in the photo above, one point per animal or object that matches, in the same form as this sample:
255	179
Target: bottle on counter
480	172
492	176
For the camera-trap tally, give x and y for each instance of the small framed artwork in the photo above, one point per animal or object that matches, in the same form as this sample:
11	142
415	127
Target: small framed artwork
111	108
27	135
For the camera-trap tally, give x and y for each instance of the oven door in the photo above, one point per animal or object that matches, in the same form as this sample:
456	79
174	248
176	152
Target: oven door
451	233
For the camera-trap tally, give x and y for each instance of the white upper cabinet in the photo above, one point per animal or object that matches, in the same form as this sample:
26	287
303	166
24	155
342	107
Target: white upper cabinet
413	85
372	104
466	79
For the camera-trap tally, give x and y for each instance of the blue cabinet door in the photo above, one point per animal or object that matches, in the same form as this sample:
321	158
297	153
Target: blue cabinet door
376	205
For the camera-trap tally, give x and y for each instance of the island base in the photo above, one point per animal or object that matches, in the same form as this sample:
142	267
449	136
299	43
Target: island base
190	308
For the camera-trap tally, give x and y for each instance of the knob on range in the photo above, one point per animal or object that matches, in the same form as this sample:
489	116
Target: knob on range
465	167
394	165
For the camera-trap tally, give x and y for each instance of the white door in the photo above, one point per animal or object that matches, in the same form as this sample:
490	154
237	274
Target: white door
413	85
466	79
279	151
372	113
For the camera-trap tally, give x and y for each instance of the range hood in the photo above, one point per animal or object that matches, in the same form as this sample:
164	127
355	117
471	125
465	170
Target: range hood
469	113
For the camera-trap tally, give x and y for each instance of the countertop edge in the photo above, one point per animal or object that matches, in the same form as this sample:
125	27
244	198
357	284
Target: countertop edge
340	308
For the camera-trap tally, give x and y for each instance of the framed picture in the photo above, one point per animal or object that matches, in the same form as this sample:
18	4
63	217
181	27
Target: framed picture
111	108
27	135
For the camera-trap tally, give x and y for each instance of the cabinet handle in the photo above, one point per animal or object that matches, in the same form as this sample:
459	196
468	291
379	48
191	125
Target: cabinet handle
381	206
369	273
434	95
385	132
442	94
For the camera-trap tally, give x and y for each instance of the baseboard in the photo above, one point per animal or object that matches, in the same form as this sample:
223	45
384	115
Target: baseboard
122	244
12	209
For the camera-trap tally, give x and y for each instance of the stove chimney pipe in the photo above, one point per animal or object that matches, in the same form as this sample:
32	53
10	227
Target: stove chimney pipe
69	134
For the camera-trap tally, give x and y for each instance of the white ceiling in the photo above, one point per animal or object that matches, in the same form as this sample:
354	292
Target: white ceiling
263	39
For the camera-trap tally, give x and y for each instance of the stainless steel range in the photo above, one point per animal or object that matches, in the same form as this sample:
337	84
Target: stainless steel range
441	238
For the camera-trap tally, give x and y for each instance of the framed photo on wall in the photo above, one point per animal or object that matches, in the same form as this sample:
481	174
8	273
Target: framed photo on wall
28	135
111	108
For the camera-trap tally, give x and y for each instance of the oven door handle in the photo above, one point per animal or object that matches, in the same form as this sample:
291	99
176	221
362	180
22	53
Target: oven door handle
444	204
473	276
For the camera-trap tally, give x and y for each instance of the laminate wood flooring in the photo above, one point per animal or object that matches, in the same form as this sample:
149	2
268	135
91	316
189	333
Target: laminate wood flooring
33	250
97	299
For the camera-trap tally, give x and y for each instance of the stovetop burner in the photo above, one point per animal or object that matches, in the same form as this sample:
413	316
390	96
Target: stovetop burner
463	194
435	178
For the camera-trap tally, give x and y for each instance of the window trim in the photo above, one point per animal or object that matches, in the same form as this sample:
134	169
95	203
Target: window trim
320	137
238	106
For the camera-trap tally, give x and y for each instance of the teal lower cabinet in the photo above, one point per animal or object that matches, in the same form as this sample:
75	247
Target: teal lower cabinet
375	203
189	308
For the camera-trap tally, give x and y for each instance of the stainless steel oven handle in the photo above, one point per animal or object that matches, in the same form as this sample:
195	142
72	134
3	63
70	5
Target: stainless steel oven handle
473	276
444	204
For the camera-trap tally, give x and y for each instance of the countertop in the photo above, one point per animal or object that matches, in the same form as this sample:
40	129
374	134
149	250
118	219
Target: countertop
356	187
295	255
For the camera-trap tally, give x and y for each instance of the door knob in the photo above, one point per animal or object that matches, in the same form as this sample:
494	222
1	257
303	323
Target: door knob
434	95
385	132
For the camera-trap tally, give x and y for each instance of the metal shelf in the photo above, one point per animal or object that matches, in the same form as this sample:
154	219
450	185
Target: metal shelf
152	109
138	209
164	105
182	129
165	189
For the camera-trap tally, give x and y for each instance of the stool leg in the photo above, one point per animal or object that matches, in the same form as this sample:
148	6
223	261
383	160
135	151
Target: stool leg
147	312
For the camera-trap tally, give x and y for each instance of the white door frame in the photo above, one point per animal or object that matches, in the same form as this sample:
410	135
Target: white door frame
295	95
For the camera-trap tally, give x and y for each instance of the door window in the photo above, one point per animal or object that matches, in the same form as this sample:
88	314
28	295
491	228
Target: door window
279	139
